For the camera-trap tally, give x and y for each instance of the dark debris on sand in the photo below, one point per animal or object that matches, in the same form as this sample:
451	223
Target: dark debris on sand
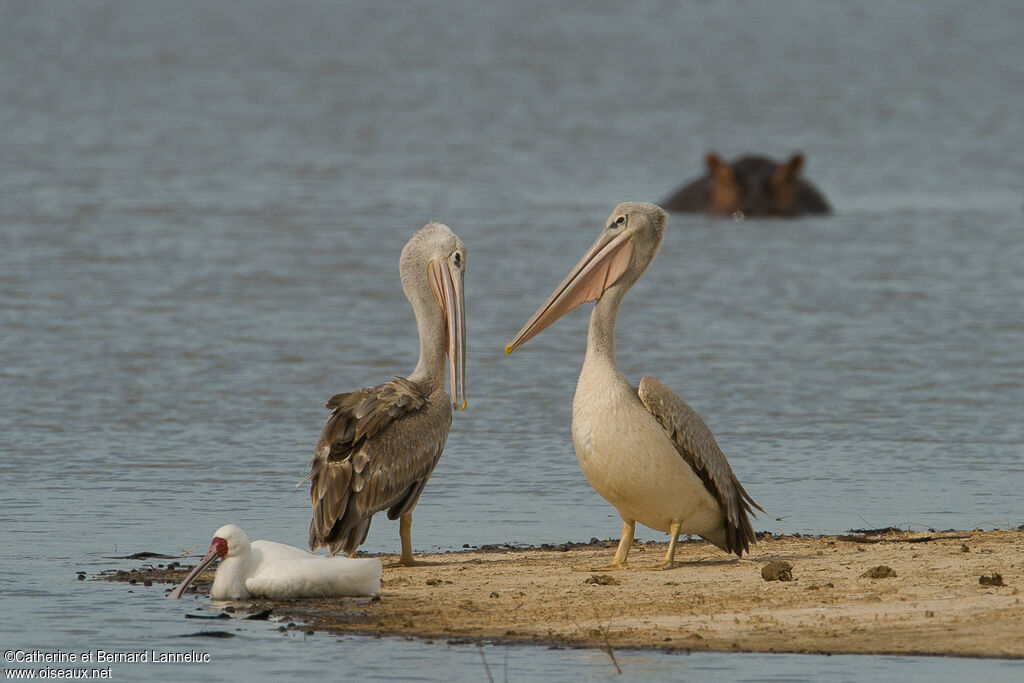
777	570
993	579
882	571
601	580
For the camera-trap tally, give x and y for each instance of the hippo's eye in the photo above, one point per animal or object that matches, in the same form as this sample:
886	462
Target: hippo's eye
620	221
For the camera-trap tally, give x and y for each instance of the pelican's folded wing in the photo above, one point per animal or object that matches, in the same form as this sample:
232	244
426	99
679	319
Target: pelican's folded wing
376	451
696	444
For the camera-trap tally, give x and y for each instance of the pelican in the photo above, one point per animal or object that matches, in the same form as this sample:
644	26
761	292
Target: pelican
381	443
274	570
643	449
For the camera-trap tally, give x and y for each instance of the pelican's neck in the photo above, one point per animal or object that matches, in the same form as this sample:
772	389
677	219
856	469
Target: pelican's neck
429	370
601	337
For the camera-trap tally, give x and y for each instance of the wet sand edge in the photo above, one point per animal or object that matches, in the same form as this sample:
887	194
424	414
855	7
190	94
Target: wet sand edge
950	593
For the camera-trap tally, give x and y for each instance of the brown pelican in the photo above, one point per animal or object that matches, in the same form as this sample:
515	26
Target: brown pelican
381	443
643	449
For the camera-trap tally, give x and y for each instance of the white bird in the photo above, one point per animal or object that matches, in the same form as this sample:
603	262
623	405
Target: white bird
644	449
265	569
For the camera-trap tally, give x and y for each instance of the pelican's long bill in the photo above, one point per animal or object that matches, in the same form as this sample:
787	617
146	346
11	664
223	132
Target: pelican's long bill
447	285
598	270
218	548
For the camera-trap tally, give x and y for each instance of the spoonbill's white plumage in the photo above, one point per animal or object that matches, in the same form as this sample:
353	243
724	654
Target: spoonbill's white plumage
265	569
644	449
381	444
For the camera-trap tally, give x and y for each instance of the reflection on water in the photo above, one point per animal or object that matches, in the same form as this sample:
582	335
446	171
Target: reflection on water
201	210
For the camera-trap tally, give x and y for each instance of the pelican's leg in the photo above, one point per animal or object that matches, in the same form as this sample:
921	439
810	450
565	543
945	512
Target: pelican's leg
670	556
405	531
625	543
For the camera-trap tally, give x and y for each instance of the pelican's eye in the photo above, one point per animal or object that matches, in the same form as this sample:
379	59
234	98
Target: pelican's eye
457	259
621	221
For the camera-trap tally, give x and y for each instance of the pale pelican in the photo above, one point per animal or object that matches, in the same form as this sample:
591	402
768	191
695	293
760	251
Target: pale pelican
265	569
643	449
381	443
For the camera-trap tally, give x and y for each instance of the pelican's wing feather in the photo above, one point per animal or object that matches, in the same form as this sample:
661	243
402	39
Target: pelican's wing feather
376	452
696	444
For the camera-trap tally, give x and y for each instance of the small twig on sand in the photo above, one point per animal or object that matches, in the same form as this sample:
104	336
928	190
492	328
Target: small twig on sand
604	633
608	647
918	539
877	532
865	521
480	648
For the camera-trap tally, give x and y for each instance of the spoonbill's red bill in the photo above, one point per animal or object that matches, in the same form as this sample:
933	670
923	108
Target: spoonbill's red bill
265	569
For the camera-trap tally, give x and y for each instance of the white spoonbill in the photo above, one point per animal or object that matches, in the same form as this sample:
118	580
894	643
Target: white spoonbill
381	444
264	569
643	448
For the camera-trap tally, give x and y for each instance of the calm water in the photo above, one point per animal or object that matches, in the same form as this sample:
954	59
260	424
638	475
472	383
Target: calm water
201	209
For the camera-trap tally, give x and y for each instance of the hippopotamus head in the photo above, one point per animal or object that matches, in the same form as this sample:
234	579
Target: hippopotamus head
750	186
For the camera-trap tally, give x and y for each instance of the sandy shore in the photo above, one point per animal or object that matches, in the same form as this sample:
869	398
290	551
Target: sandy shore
932	602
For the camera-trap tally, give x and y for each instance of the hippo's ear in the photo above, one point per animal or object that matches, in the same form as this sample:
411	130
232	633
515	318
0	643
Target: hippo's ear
794	165
714	162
